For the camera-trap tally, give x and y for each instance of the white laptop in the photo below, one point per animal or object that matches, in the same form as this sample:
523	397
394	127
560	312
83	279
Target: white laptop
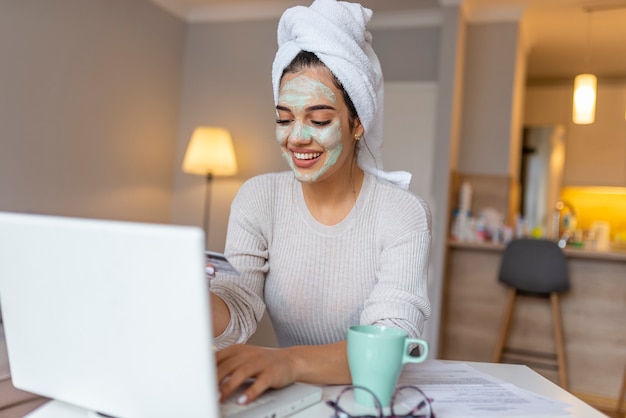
112	318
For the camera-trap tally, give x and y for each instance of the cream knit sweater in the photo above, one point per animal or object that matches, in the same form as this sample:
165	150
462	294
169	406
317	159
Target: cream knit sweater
317	280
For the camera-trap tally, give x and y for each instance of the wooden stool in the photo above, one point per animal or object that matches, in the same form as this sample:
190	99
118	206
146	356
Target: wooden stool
538	268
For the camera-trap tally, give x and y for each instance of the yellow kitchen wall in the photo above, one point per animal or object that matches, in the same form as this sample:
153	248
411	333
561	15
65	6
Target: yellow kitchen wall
598	204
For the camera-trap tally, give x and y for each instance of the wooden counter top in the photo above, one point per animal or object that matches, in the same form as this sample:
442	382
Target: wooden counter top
571	252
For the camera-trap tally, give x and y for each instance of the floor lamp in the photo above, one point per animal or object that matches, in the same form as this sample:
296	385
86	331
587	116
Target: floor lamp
210	153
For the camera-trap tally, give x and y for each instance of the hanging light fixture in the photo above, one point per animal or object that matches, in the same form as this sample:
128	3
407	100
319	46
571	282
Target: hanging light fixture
584	99
585	88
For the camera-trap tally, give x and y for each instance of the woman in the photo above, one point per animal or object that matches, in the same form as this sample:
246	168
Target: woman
336	241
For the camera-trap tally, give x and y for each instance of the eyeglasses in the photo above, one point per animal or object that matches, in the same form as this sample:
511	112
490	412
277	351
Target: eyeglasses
406	402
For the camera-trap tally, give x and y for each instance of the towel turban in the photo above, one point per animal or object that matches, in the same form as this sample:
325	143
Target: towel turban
335	32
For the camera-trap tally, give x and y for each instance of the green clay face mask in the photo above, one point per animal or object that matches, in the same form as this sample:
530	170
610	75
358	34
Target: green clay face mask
297	95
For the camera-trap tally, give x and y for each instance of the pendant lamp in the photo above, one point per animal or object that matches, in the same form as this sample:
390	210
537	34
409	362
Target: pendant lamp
585	88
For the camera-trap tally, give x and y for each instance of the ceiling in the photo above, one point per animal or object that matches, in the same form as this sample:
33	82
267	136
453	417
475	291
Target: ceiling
564	37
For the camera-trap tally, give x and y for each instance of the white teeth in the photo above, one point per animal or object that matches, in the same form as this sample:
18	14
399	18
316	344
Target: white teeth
308	156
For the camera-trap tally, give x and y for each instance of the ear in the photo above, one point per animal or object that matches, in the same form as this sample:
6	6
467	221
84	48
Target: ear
358	128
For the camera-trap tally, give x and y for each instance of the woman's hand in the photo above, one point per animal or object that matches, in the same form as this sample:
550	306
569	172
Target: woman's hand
276	368
270	368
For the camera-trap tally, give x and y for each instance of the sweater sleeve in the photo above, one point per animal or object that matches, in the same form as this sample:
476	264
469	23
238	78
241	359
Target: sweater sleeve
246	249
400	296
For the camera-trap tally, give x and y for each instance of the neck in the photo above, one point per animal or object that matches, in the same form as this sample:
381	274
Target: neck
330	201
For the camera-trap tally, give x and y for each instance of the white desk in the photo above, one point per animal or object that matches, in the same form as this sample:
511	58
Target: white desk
518	375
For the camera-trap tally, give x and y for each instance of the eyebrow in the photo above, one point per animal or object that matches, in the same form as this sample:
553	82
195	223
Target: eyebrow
308	109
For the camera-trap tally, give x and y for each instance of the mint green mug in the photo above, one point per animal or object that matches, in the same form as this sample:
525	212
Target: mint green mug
376	354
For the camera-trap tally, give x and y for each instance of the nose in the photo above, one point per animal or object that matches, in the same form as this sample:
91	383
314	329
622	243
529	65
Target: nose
300	134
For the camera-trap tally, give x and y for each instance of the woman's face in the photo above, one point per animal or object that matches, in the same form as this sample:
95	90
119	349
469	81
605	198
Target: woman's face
312	125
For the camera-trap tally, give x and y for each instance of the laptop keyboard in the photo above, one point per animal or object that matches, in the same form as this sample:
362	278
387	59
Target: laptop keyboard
273	403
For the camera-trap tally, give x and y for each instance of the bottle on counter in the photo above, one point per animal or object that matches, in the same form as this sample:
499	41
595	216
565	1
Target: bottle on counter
521	228
465	197
455	229
480	233
461	229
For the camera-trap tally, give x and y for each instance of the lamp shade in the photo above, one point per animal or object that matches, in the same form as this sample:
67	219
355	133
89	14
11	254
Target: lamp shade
584	111
210	151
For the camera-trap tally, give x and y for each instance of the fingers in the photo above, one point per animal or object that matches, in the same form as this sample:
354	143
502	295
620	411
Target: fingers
210	270
233	361
253	391
239	363
234	368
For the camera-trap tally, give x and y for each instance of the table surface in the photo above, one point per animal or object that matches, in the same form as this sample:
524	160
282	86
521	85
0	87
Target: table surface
519	375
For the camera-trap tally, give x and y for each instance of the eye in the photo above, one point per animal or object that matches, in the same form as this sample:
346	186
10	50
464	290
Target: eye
283	121
320	123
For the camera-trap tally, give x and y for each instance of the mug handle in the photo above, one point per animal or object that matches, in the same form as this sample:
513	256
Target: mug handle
407	358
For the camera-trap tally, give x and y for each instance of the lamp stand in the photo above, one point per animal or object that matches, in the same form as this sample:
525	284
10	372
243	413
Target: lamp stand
207	208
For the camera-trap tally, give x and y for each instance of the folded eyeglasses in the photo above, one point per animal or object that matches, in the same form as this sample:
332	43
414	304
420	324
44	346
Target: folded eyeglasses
406	402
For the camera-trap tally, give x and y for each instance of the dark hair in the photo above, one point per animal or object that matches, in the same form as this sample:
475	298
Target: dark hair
306	59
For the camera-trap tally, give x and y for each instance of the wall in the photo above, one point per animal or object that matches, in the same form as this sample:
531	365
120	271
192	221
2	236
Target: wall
409	132
89	94
489	107
226	83
606	204
595	153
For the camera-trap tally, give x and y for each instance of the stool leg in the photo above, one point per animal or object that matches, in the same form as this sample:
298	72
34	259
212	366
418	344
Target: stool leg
558	338
505	327
621	399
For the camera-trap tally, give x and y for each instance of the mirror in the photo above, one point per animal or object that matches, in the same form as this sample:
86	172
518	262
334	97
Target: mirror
541	175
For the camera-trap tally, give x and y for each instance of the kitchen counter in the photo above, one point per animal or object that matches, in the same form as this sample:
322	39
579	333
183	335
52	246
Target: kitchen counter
594	314
570	252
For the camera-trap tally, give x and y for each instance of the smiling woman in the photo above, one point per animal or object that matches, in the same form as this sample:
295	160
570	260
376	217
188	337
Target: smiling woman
334	242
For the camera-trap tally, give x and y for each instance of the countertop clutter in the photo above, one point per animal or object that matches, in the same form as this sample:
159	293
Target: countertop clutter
487	228
600	214
586	220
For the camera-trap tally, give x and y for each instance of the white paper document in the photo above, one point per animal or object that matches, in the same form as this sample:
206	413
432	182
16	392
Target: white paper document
459	390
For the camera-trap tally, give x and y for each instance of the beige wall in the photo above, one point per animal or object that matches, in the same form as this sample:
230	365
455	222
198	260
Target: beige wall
595	154
492	75
226	82
89	95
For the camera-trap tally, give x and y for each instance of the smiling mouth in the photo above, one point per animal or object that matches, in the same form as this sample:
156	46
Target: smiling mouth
307	156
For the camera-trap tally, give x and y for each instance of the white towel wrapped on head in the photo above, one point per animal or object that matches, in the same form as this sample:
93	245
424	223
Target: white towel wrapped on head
335	32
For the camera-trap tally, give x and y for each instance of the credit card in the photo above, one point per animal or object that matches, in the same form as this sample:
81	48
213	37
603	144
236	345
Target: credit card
220	263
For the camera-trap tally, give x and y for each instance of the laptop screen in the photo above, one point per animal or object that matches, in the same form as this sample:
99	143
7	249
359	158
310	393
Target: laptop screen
109	316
